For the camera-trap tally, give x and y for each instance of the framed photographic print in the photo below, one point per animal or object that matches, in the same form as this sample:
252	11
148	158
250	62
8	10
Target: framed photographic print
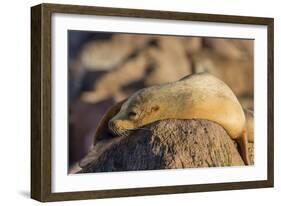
132	102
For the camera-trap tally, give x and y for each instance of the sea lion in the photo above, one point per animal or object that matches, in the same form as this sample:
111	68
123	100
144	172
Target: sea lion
196	96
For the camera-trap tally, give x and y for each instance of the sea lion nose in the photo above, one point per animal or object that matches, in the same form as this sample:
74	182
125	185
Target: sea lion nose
113	123
115	126
110	124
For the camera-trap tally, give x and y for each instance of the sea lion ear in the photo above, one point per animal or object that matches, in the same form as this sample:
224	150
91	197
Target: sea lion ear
155	108
102	129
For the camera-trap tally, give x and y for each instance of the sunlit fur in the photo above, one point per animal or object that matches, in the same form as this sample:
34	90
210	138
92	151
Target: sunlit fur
197	96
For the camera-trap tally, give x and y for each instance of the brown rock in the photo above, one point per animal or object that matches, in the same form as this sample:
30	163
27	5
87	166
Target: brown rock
247	102
111	84
231	48
107	54
237	74
166	144
169	61
191	44
154	65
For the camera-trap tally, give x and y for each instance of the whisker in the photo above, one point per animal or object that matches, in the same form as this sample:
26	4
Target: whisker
116	132
119	133
111	127
127	133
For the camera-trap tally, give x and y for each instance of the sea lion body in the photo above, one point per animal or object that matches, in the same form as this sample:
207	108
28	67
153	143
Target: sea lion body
200	96
197	96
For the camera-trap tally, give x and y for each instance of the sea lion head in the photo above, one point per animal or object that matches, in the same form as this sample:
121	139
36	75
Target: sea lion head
139	110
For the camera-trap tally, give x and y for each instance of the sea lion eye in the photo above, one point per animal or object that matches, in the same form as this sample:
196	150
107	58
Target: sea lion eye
155	108
132	114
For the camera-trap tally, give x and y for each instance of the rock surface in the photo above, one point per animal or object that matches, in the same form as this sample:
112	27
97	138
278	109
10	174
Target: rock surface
167	144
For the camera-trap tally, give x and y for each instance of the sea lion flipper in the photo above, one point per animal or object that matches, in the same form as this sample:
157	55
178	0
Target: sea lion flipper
249	124
102	131
243	143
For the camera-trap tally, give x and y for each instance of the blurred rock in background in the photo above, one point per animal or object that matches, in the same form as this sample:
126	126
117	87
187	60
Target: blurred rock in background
105	68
